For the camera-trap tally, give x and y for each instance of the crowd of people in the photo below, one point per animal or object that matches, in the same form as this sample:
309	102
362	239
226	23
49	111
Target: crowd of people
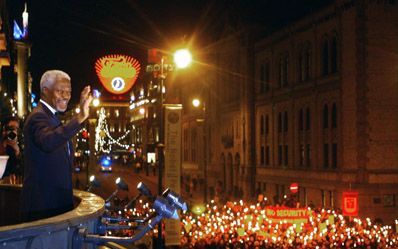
240	225
243	225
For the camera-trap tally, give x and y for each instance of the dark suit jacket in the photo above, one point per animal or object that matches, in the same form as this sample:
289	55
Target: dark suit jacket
47	187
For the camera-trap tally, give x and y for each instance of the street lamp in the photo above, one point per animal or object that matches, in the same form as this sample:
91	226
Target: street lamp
96	102
182	59
197	103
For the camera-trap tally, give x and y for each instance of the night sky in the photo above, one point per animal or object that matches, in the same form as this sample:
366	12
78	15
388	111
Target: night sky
71	34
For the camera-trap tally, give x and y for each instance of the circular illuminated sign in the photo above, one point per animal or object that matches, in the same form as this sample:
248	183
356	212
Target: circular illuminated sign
118	84
117	73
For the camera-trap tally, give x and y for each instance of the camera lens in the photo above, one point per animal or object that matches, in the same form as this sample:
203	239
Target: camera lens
11	135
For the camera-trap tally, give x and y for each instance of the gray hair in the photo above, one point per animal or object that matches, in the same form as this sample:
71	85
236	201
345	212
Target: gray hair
50	77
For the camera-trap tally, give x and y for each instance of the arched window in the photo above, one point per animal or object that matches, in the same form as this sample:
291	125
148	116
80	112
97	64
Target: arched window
334	54
325	57
325	116
334	116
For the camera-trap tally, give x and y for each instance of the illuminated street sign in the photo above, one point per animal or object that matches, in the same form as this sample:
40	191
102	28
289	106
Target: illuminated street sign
117	73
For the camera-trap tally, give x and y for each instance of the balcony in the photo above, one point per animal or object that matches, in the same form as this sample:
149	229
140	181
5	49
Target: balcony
54	232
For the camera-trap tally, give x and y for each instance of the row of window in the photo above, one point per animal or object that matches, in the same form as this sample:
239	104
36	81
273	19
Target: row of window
304	120
329	153
304	60
325	197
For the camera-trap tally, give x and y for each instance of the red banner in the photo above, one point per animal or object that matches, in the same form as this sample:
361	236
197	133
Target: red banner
291	215
350	203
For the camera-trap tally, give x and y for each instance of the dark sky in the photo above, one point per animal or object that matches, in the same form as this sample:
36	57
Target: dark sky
71	34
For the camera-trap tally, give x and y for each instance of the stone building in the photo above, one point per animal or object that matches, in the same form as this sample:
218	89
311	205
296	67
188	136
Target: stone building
313	103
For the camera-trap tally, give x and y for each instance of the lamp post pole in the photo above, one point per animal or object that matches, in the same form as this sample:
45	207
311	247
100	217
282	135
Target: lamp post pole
161	146
205	131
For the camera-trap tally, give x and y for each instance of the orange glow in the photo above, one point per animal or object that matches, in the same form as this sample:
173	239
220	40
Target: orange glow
117	73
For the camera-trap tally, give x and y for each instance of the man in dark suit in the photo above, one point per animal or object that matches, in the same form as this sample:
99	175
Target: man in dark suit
48	154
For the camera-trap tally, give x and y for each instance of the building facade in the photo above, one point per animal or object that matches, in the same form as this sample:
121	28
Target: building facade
314	103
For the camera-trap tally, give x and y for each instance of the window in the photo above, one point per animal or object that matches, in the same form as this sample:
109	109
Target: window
334	54
280	122
262	155
266	124
308	119
308	154
267	155
280	78
334	155
283	69
304	63
185	144
262	125
285	122
307	62
325	117
300	67
264	77
301	154
334	116
325	57
301	120
193	145
279	154
286	155
326	155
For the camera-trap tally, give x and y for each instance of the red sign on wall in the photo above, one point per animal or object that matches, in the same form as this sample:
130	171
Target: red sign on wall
350	203
294	187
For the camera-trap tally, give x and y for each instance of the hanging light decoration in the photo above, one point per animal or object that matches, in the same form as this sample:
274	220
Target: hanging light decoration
103	138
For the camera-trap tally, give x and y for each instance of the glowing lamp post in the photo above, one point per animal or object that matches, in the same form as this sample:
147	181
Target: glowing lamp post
96	102
182	58
197	103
